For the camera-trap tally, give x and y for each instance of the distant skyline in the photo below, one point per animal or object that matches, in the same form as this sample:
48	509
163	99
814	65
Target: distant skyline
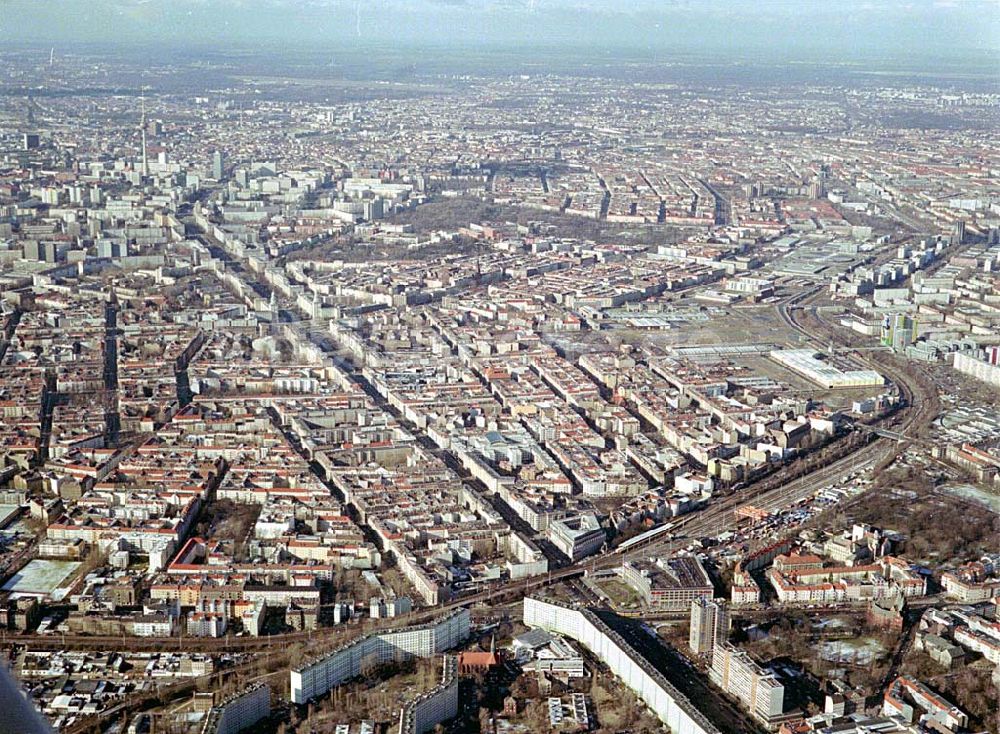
787	29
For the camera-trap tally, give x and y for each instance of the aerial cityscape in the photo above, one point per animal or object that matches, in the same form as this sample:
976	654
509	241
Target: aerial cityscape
494	366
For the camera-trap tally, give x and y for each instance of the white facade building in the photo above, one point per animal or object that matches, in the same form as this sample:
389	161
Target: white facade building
318	676
757	689
436	705
978	368
578	537
239	712
709	624
669	704
805	362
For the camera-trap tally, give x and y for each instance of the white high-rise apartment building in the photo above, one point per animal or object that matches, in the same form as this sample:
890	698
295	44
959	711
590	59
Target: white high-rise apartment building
709	624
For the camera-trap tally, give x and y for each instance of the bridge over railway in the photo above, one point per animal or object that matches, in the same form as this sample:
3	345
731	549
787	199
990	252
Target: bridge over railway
888	433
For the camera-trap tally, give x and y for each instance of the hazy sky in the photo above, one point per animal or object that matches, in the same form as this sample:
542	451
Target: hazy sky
914	28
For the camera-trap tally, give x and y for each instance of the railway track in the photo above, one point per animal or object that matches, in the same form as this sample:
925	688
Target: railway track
917	410
915	389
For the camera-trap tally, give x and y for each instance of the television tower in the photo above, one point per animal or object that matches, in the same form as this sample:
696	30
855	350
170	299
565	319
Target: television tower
142	129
